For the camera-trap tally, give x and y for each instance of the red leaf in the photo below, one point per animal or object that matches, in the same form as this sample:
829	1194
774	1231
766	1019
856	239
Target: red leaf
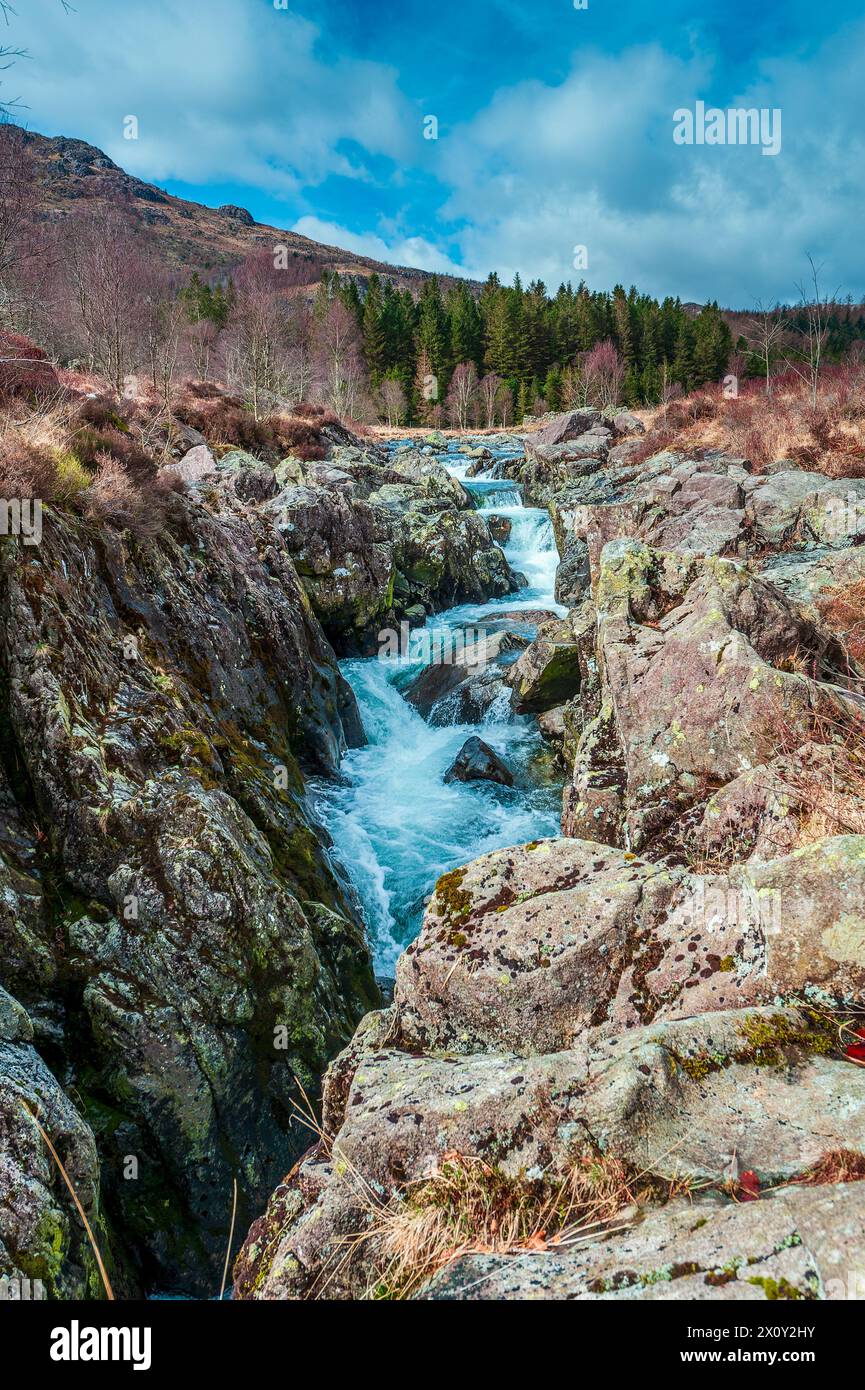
856	1051
749	1186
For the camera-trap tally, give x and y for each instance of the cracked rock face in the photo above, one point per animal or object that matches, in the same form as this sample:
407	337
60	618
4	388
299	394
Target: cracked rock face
169	917
707	671
41	1235
372	539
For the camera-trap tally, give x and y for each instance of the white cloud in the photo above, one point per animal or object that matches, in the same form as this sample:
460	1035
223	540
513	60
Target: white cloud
591	161
224	90
409	251
235	92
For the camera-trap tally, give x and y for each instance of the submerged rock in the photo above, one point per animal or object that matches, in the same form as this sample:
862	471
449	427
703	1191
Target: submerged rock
477	762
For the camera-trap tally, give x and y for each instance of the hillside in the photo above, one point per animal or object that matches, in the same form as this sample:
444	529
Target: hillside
74	176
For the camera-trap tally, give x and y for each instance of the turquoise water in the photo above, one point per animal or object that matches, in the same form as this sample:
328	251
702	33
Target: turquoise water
396	825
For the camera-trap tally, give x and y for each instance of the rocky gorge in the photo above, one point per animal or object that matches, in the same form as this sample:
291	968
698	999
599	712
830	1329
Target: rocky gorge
565	926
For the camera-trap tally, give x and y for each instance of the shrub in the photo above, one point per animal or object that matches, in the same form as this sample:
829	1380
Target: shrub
103	412
89	445
844	611
206	391
71	479
225	420
120	500
27	471
25	371
301	437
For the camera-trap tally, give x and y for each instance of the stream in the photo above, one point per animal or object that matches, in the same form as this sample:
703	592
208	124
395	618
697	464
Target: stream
396	825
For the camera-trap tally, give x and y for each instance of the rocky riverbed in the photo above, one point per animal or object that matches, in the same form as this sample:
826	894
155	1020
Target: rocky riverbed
613	852
665	999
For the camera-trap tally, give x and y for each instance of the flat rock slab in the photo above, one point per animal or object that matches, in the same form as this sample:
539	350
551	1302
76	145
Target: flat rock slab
803	1243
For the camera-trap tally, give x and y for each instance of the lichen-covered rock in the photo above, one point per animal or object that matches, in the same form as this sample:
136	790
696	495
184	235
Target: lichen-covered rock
558	664
795	505
41	1233
802	795
698	1099
170	918
533	948
371	542
523	949
706	672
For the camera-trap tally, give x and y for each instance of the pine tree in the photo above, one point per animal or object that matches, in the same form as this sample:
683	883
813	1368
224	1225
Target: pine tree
374	344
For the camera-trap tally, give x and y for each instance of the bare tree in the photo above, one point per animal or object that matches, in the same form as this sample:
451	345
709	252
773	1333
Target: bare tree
163	324
488	390
300	360
259	331
574	388
8	53
393	400
200	341
108	281
603	372
505	403
817	309
340	375
462	395
764	334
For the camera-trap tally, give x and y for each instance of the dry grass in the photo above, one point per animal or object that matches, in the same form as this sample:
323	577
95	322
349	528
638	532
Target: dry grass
829	439
839	1165
79	457
471	1208
844	611
120	500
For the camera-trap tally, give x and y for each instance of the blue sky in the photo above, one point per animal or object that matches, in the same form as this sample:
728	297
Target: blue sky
554	128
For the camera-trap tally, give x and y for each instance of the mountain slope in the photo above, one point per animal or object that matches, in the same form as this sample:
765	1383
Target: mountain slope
74	176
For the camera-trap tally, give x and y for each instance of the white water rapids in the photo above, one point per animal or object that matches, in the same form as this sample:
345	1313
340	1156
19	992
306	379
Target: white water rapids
396	825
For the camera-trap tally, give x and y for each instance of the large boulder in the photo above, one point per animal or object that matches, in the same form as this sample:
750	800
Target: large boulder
793	505
557	665
530	949
367	555
567	426
707	671
197	467
477	762
694	1101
